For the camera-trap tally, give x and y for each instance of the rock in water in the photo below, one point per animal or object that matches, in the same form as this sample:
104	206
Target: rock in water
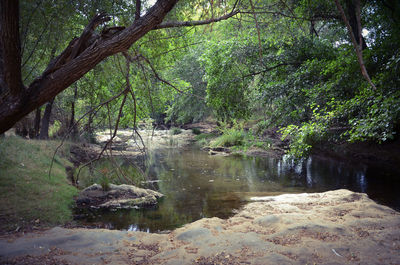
117	197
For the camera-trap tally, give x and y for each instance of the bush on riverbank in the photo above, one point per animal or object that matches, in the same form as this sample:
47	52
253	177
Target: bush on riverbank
238	136
175	131
28	197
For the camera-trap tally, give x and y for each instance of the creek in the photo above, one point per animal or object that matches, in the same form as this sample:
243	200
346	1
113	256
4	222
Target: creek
197	185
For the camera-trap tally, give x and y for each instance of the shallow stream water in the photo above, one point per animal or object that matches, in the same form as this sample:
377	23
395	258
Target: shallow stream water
197	185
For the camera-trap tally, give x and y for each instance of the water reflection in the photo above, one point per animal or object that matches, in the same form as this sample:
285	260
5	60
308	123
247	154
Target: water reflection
198	185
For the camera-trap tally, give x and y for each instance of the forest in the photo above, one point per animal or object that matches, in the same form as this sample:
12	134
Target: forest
317	70
208	102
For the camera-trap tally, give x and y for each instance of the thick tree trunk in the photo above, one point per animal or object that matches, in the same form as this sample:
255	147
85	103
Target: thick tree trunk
44	131
3	85
10	47
36	127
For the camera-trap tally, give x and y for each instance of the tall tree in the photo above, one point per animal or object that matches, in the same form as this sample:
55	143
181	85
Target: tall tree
81	55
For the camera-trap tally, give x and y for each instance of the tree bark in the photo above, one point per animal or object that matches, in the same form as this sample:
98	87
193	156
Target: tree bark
10	46
71	126
44	131
138	9
36	128
355	24
89	129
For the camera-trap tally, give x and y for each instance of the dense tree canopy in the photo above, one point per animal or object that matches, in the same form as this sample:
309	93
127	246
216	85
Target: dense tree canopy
318	70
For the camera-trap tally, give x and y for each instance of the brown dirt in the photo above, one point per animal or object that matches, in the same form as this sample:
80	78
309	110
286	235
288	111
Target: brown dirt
336	227
204	127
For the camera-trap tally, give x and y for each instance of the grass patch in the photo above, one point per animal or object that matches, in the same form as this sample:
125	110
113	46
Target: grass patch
175	131
230	137
236	137
203	139
205	136
196	131
28	197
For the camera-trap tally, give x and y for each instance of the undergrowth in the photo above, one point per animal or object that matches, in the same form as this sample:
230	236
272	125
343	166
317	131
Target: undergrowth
235	136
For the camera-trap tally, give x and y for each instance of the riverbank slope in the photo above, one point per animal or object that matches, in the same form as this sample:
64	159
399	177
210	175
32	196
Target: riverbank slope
30	199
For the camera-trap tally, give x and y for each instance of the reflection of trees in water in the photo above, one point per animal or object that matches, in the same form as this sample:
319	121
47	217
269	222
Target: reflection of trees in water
323	174
198	185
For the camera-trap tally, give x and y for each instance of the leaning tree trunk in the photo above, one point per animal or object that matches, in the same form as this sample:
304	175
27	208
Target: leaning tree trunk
44	132
79	57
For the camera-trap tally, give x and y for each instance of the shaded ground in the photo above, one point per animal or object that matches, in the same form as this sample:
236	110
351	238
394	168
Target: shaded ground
336	227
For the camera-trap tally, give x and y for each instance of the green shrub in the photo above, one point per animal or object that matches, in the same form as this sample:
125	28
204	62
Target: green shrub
175	131
202	142
378	120
54	128
205	136
196	131
261	126
303	137
105	183
231	136
266	144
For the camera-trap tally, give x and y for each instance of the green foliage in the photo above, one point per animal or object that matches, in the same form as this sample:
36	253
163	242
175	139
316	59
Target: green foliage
302	138
204	136
299	76
264	144
196	131
382	115
232	135
89	137
175	131
189	107
261	126
54	128
226	90
203	139
105	183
